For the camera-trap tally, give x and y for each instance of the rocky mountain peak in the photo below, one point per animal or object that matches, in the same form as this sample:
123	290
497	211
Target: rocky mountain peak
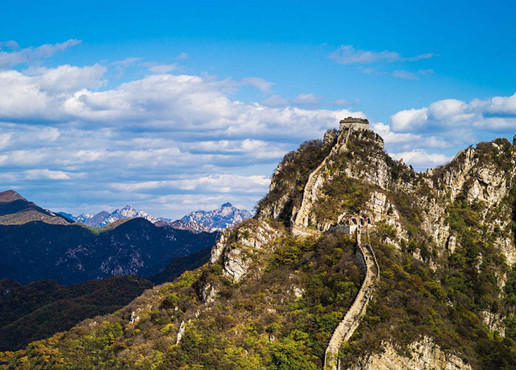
323	182
10	196
225	216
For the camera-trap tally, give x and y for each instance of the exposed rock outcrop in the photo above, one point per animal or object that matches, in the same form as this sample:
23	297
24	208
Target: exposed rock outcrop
424	355
483	175
237	249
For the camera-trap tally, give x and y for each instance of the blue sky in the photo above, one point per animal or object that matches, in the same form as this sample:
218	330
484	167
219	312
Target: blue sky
174	106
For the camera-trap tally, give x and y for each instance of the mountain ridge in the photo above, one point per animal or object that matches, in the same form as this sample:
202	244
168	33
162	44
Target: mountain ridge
197	221
278	285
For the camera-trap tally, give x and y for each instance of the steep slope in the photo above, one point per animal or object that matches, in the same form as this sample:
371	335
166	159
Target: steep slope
357	310
71	253
43	308
16	210
274	291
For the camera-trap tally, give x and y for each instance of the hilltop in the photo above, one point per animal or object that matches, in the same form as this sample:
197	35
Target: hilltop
278	285
16	210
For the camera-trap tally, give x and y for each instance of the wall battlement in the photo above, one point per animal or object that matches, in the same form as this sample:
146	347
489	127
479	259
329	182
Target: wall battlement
360	123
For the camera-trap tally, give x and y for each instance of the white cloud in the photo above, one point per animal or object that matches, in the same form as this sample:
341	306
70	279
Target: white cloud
5	139
446	125
163	101
391	137
421	159
31	54
160	68
68	78
347	54
342	103
46	174
405	75
495	114
121	65
11	44
409	119
261	84
275	101
182	56
500	105
221	183
307	99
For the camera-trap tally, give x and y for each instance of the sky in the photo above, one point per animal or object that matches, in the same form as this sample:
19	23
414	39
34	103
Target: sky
174	106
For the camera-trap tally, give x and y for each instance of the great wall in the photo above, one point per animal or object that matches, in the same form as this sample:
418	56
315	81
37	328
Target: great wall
365	253
315	179
353	316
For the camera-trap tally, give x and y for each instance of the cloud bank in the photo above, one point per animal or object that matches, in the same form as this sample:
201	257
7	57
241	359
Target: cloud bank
170	142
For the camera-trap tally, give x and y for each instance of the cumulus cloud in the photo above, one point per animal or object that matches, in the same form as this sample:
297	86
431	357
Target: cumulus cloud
161	101
67	78
169	142
163	136
446	125
393	137
348	54
495	114
421	159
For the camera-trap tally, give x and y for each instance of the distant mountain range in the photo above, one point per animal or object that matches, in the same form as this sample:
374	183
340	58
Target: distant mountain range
37	244
199	221
97	265
104	218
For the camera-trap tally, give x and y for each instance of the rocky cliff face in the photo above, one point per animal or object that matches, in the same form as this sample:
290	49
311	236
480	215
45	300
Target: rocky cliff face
463	210
393	193
238	249
422	355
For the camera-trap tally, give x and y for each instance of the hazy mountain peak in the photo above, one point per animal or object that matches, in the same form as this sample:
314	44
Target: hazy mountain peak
225	216
10	196
16	210
218	219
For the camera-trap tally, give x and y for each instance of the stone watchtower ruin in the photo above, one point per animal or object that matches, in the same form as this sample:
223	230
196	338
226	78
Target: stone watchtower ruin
351	122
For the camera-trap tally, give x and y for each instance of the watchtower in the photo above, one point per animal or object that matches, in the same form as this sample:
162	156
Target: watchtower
349	122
